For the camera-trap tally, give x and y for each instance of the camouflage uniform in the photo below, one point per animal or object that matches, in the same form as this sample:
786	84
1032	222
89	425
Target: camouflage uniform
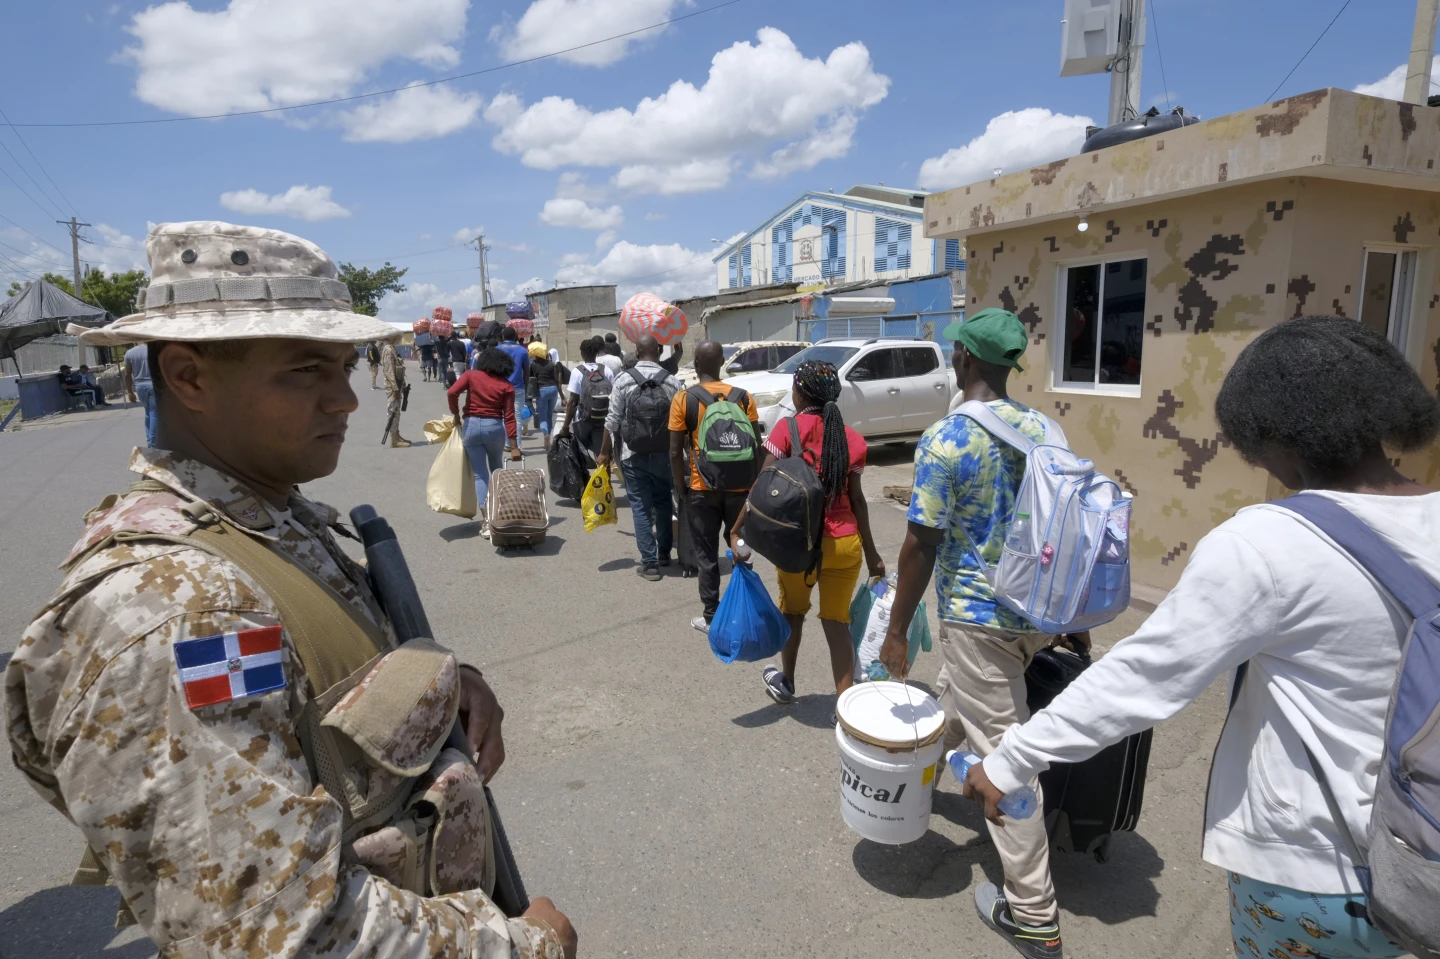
394	369
218	838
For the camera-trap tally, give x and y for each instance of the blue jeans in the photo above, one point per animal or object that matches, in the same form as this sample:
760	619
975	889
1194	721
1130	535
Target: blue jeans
545	409
650	487
484	441
145	392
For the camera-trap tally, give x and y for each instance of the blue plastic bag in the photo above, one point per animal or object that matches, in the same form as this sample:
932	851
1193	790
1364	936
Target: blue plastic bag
747	626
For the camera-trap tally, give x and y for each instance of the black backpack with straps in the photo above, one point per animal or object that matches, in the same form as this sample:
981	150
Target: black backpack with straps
787	511
645	427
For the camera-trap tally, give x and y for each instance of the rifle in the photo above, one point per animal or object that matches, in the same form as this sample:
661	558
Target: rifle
393	585
405	398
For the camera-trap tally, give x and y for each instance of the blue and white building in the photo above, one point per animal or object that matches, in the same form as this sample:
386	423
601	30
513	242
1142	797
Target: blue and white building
865	233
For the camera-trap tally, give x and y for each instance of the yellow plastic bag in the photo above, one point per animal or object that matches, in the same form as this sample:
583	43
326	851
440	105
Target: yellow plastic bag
451	487
438	431
597	503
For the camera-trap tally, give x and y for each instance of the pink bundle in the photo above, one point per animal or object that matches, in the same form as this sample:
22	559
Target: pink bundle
421	326
444	313
442	327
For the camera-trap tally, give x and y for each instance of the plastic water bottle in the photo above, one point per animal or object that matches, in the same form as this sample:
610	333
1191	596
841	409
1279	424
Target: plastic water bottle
742	552
1019	804
1018	538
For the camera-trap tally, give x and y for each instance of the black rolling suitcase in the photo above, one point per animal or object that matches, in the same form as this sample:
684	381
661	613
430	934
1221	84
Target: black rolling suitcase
1086	803
685	541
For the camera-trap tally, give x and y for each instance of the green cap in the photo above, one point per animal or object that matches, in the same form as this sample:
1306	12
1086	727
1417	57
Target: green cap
993	335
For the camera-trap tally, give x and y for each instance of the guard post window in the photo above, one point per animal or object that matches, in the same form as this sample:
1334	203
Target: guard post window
1386	289
1102	326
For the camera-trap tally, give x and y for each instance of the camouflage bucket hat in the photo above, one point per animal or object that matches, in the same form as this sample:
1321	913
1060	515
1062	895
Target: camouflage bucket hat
217	281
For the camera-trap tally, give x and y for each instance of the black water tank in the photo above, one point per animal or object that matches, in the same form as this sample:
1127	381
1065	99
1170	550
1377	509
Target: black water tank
1145	126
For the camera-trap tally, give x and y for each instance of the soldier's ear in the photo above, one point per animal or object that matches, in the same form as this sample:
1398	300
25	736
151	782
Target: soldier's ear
183	370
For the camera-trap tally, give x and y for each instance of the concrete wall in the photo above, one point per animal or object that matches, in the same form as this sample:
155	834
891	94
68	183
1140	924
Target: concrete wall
1221	267
563	304
774	321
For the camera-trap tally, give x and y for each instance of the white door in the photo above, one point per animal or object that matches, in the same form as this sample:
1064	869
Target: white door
926	387
872	398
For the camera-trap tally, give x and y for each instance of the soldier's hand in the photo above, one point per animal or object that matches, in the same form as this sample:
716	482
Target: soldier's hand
544	910
481	715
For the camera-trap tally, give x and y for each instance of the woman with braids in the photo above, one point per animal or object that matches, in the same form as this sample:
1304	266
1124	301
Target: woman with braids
837	454
489	418
1316	402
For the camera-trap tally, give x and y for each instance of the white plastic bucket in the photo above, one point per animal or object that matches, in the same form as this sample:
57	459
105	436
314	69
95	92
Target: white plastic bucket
891	742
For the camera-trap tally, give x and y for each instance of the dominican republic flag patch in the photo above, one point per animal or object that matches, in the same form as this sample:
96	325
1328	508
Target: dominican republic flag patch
217	669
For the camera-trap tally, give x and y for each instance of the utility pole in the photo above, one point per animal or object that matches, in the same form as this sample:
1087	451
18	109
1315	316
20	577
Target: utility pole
1125	71
74	226
1422	51
484	281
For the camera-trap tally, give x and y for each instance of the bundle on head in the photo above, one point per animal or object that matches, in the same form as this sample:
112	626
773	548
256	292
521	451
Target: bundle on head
819	385
444	313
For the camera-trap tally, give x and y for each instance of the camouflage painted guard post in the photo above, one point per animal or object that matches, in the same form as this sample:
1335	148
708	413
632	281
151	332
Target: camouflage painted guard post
214	695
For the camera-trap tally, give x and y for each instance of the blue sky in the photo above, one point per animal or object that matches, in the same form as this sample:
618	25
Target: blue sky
573	173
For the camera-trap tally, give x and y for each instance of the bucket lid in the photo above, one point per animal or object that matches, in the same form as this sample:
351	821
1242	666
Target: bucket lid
891	715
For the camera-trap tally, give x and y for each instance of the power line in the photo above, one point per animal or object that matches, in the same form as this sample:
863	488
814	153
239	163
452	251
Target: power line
26	192
23	230
31	177
1159	53
38	163
1307	52
381	93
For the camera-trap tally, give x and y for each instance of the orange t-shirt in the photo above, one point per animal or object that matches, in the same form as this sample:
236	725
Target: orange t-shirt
678	424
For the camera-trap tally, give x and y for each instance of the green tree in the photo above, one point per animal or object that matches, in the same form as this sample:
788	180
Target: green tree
54	279
116	292
368	286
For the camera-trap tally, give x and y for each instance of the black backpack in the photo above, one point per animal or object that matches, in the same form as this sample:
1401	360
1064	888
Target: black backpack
372	353
787	511
594	394
646	426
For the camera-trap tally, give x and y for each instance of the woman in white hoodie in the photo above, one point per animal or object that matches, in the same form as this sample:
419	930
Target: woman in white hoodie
1315	401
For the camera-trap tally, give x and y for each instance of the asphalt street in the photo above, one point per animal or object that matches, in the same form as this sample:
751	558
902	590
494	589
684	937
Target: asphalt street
663	801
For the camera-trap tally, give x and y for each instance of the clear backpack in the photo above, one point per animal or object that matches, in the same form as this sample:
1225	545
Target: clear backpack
1066	562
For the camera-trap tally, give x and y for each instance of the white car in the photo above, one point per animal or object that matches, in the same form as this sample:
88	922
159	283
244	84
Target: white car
750	356
892	390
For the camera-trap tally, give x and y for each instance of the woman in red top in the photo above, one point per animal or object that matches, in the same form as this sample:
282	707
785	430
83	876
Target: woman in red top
837	454
489	418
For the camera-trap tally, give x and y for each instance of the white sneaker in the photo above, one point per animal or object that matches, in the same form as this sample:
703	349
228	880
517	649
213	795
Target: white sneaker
699	623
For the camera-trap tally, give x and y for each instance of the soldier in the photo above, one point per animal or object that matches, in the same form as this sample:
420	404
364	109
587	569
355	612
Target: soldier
214	696
394	369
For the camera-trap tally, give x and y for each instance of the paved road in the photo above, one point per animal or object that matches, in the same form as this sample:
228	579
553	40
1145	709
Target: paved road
662	800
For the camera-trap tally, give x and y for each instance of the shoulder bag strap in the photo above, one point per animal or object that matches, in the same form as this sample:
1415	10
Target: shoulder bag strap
795	448
1408	585
990	421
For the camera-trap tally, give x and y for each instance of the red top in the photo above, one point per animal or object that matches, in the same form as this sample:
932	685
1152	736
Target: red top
839	518
487	396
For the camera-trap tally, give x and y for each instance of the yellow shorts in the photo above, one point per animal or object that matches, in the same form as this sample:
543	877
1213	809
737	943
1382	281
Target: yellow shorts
840	561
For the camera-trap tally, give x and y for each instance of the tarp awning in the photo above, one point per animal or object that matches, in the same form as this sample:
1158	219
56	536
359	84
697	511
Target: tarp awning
42	309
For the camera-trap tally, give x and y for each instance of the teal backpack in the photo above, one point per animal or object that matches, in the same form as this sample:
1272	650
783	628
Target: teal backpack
726	449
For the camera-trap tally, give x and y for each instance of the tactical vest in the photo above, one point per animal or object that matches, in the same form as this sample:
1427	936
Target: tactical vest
374	729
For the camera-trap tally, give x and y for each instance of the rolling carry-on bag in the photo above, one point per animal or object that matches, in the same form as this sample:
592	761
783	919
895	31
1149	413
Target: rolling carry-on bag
1086	803
516	507
685	541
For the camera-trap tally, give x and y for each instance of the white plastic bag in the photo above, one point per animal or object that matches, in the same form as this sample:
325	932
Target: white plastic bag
451	486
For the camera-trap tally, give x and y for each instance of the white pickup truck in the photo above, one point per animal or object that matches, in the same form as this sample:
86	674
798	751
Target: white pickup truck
893	388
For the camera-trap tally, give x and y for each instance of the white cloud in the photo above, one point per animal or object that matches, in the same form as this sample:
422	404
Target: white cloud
828	143
1015	140
572	185
657	216
565	211
466	234
415	113
757	96
257	54
550	25
668	270
23	257
1392	85
303	202
604	240
697	176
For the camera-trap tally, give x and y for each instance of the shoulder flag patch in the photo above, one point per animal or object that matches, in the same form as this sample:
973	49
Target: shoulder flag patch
217	669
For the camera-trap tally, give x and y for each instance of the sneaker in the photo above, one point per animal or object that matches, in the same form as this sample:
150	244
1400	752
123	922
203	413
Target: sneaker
778	685
652	573
664	559
1042	942
699	623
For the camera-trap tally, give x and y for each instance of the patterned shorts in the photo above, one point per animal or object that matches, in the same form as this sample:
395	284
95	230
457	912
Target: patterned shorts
1277	922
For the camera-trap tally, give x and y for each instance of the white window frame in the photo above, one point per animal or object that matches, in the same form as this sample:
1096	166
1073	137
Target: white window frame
1400	328
1057	350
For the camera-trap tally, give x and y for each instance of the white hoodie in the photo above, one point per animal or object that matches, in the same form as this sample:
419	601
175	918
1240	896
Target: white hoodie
1323	643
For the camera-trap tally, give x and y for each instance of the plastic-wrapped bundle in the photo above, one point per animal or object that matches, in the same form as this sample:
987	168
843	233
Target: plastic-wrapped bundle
442	328
647	313
444	313
473	320
523	328
520	310
420	326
